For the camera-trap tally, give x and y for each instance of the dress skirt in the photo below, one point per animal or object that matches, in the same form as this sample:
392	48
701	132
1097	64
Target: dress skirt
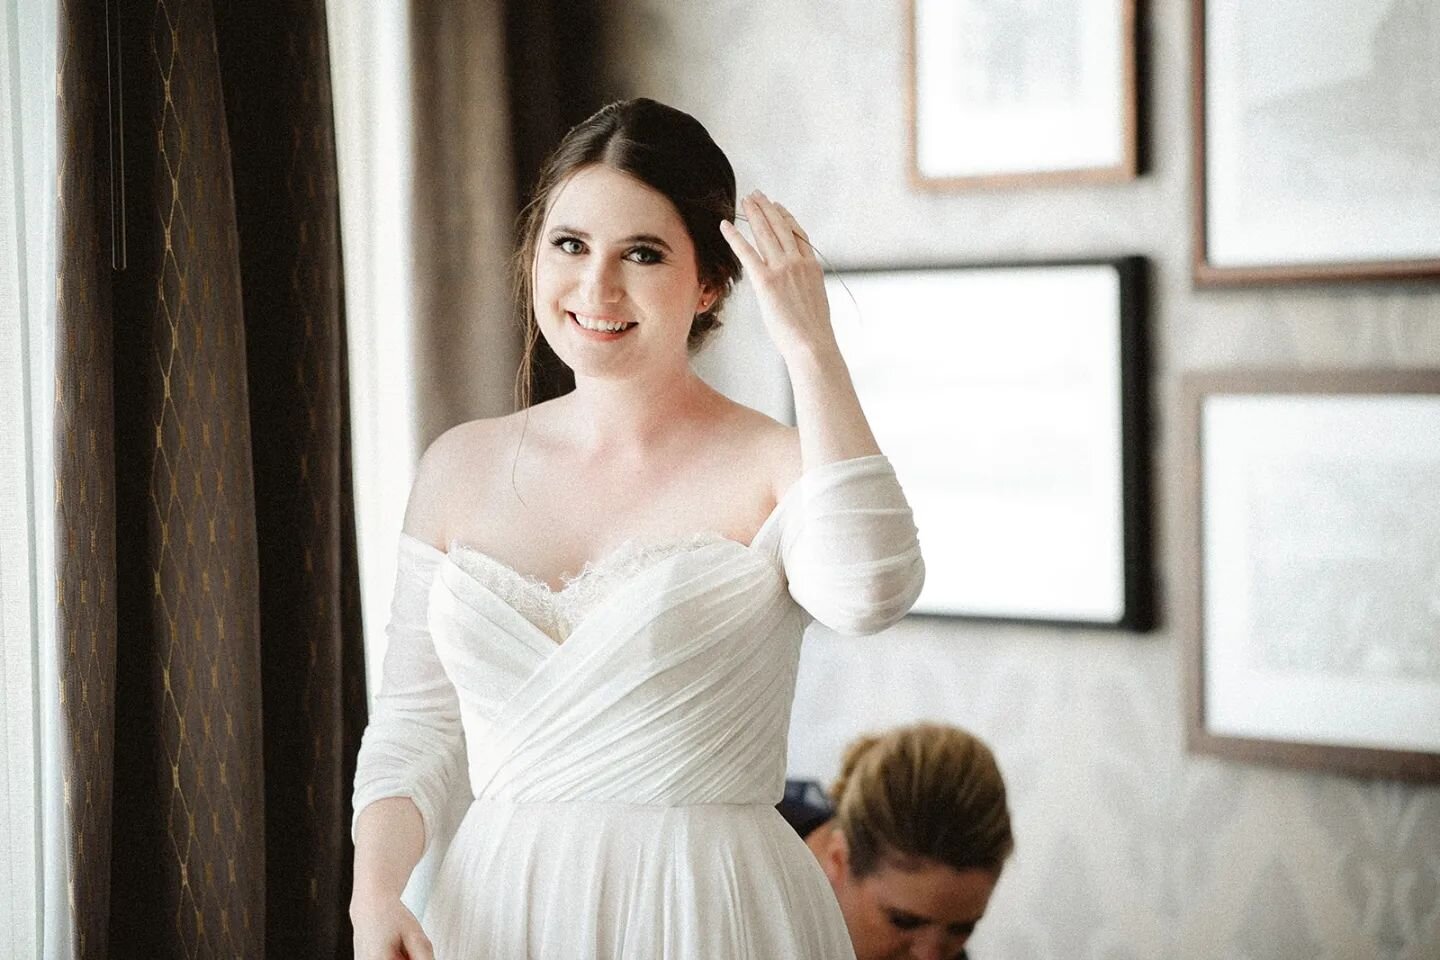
577	880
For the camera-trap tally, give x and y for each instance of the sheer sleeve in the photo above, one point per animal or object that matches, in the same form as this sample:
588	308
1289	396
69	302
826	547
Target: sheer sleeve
414	744
850	547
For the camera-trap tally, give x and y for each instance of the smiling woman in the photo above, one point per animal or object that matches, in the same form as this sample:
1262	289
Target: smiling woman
668	178
600	601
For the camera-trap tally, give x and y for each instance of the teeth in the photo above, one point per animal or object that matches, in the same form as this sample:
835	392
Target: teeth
600	325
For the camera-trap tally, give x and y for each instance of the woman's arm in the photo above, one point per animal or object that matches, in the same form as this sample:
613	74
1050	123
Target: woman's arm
790	285
851	550
389	840
410	752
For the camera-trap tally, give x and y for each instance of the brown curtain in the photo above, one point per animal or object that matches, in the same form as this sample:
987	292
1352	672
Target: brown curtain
497	84
85	466
208	609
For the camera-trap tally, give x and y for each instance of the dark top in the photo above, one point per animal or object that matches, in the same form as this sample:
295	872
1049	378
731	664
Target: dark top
805	806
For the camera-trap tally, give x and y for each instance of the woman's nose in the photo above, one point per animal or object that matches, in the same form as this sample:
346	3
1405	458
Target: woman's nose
600	283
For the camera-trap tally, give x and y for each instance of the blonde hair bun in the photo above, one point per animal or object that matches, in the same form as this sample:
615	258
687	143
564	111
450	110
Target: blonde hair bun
927	791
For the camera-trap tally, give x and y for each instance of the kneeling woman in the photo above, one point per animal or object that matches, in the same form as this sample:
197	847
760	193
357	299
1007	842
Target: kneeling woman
912	838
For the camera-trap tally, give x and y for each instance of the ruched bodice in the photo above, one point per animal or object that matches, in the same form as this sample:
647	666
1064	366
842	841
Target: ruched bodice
672	689
664	680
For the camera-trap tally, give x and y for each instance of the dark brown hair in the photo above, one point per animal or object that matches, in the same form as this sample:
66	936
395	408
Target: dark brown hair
923	792
669	151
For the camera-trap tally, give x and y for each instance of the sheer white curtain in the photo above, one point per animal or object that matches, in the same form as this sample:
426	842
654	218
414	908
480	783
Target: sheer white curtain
370	83
32	862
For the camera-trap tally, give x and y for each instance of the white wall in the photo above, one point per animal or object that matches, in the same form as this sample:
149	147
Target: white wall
1128	847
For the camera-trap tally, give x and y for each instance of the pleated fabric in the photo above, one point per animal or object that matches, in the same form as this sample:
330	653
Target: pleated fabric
620	787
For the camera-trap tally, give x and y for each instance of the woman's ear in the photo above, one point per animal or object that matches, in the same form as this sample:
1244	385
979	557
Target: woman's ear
836	856
707	300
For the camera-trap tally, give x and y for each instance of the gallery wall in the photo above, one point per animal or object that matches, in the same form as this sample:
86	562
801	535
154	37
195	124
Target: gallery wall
1128	846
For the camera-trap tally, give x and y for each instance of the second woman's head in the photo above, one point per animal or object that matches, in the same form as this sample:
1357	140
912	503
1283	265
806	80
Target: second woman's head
921	831
621	263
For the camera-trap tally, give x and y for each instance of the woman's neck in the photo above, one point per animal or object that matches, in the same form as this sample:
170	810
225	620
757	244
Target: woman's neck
618	417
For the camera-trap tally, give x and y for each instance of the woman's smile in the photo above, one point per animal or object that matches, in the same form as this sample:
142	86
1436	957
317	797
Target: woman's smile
601	327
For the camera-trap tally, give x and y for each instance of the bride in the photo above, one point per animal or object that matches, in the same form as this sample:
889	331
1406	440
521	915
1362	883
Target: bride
600	598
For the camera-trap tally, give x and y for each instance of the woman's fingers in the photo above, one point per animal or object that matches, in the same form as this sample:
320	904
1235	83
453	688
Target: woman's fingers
749	258
780	229
767	239
418	947
795	229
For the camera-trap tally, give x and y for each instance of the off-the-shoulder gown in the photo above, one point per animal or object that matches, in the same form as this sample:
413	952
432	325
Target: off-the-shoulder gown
623	739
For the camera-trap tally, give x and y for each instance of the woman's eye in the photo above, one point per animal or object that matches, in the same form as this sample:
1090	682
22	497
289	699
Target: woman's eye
645	255
903	921
568	245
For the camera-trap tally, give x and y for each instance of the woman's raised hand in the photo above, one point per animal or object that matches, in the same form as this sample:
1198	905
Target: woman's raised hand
788	279
386	930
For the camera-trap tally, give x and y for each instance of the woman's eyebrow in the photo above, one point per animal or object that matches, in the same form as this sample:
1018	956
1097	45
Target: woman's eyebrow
649	238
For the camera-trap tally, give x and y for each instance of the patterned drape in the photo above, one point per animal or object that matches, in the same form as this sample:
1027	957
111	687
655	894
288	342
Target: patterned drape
85	466
208	608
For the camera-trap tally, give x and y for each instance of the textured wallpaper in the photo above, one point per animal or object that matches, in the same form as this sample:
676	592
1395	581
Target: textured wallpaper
1127	847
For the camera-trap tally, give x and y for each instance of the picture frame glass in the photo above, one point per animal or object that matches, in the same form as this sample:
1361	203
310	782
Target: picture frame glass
1322	132
995	392
1321	569
1014	88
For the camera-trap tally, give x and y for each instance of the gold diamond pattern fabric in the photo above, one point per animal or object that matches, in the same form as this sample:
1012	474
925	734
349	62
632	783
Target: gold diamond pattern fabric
84	469
208	589
188	862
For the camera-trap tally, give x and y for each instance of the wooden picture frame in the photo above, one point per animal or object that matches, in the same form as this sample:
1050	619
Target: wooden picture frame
1318	168
1308	640
1020	113
1011	399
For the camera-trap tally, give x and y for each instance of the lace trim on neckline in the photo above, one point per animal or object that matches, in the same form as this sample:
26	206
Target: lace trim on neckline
557	612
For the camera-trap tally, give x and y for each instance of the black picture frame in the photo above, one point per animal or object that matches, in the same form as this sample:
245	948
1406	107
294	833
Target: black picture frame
902	328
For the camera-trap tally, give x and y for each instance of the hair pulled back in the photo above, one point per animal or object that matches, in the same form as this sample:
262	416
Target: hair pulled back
924	791
665	149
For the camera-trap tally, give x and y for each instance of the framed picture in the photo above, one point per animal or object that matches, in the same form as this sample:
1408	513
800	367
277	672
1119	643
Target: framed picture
1314	621
1011	400
1317	140
1021	92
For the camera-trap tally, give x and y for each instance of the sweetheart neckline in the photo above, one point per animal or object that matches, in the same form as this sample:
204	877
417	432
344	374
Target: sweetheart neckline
628	543
625	551
551	644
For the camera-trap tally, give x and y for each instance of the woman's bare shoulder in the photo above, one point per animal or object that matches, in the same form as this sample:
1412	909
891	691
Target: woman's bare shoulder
783	452
451	466
774	444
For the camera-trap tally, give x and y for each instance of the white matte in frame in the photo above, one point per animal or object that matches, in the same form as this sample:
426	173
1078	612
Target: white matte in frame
996	394
1321	545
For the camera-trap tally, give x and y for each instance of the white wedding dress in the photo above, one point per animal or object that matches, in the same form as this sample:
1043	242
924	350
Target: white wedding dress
624	738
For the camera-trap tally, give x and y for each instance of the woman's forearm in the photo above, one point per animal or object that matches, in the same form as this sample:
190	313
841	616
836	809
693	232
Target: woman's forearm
389	839
827	411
